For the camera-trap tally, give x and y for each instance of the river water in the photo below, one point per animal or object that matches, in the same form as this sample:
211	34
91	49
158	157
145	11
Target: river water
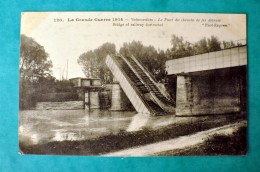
43	126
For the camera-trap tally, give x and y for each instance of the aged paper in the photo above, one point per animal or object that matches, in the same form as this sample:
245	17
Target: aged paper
133	83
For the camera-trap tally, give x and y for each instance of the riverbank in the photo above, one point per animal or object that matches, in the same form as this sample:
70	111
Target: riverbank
203	140
219	144
124	140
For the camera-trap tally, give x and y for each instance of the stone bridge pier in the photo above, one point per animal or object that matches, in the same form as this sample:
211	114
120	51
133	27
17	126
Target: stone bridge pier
210	83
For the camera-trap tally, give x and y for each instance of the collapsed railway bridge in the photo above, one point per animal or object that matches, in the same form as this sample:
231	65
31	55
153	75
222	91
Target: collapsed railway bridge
209	83
139	86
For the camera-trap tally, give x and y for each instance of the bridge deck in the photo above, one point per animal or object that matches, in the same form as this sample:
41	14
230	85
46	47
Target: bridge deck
208	61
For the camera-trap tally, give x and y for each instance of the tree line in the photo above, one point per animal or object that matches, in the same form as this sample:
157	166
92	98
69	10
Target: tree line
36	67
93	62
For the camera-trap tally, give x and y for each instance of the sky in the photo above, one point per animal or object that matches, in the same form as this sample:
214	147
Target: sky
66	35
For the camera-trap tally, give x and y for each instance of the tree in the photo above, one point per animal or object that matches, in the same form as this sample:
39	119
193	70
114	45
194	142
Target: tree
34	61
214	44
93	62
148	56
89	64
101	52
228	44
180	48
201	46
135	48
34	66
160	71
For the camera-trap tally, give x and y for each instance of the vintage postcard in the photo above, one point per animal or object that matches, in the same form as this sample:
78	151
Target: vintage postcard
133	84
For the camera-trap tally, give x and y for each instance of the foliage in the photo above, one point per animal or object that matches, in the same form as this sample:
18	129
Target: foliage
90	64
101	52
35	65
153	60
93	62
34	61
214	44
228	44
36	81
181	48
35	68
201	46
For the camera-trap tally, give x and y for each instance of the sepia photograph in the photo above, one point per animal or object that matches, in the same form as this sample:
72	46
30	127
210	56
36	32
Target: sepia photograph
133	84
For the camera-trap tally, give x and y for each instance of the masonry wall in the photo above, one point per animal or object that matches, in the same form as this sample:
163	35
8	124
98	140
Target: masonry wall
59	105
119	101
211	92
116	100
183	95
94	99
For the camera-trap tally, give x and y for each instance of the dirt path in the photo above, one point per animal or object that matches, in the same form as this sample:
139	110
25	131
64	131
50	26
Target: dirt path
178	143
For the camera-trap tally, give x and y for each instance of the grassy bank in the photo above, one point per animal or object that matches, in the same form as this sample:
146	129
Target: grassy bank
123	140
235	144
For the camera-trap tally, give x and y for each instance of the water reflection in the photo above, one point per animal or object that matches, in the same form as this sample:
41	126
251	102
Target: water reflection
26	135
61	136
138	122
42	126
35	138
